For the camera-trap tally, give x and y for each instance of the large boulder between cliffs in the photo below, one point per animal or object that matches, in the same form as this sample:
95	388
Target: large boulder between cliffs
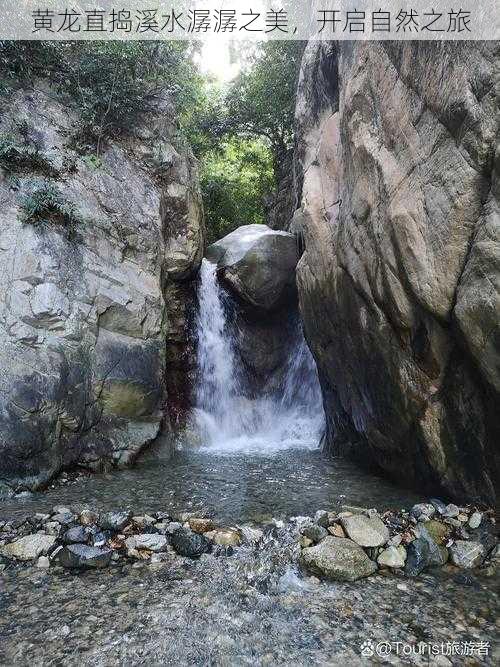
258	264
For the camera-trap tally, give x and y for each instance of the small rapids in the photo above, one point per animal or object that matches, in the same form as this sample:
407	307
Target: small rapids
224	417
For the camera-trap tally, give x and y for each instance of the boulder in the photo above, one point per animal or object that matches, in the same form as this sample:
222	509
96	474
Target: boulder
365	531
188	543
339	559
29	547
80	556
258	264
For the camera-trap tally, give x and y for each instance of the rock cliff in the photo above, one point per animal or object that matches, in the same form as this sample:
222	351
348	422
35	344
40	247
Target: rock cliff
96	252
397	170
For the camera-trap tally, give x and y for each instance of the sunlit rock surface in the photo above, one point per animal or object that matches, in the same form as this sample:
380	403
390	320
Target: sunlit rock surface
397	171
86	305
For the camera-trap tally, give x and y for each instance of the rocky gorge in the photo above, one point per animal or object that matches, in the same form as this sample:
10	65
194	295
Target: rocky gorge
363	318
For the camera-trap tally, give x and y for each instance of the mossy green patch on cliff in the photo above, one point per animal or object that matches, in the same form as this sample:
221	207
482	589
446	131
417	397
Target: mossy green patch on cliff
45	203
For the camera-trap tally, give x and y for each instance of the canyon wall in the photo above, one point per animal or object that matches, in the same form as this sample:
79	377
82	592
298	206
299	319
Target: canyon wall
97	252
397	171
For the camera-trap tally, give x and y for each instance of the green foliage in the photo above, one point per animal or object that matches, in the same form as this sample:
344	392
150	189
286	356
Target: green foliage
25	156
261	101
235	179
110	84
45	203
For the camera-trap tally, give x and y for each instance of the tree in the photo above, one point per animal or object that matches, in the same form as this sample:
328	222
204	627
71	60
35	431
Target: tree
261	101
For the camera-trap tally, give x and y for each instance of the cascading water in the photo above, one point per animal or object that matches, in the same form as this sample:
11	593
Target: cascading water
224	417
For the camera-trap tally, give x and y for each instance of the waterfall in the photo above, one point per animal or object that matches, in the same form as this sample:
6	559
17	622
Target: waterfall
224	418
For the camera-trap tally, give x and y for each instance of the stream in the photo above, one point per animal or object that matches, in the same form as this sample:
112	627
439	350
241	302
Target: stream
256	461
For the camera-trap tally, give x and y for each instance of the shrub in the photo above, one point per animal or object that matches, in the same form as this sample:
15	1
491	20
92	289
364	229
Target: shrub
44	203
15	156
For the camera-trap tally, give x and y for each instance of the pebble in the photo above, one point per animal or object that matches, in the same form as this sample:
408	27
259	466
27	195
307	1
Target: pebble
451	511
475	520
43	562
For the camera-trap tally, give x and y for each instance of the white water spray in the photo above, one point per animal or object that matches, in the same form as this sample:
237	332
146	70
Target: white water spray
224	418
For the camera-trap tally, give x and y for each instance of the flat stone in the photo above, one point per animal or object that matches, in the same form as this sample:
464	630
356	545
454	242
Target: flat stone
365	531
82	556
149	541
393	557
29	547
338	559
467	554
114	520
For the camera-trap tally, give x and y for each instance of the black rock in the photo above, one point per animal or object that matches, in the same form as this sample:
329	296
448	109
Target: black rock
418	557
114	520
83	556
485	533
439	506
76	535
187	543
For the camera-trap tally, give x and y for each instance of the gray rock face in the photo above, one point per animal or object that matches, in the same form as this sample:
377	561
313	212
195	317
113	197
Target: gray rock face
258	264
29	547
338	558
87	304
80	556
365	531
399	284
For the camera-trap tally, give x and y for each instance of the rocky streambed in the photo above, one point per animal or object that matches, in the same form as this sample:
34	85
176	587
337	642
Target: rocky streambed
117	588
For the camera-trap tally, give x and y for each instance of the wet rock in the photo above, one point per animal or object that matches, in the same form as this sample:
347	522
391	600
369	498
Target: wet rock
200	525
61	509
338	559
114	520
53	528
365	531
226	537
305	541
29	547
82	556
438	531
467	554
76	535
438	554
322	518
417	557
438	505
314	532
475	520
258	264
336	530
451	511
149	541
88	517
187	543
394	557
64	518
250	535
173	526
422	511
